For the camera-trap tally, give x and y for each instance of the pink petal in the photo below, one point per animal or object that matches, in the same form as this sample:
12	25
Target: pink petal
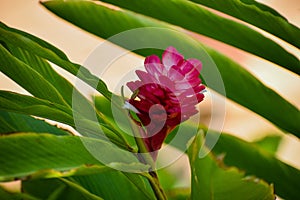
194	73
175	73
183	85
171	57
166	82
198	88
194	82
196	63
134	85
152	59
186	67
144	76
154	66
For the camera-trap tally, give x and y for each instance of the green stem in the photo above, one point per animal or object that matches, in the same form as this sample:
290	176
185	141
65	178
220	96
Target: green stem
142	149
147	159
155	185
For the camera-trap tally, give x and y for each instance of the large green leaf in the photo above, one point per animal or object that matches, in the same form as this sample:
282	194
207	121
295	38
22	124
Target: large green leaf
24	104
41	42
212	180
195	18
269	143
108	185
250	158
29	155
240	85
14	102
115	185
44	155
40	67
13	122
57	189
64	87
258	15
263	164
31	80
71	95
44	50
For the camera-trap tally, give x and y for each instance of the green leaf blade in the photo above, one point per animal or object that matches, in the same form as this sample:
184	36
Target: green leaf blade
115	185
13	123
44	50
23	104
27	154
200	20
41	66
57	189
211	180
258	15
248	157
28	78
263	164
270	143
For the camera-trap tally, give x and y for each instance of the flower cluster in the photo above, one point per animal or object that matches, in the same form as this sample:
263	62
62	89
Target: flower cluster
166	95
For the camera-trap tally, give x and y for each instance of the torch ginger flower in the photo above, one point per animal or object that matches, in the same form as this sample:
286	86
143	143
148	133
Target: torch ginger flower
166	95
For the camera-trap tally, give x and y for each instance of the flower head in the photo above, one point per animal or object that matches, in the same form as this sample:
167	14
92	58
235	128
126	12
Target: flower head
166	95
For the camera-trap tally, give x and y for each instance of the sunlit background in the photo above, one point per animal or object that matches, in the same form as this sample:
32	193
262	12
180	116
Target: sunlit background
29	16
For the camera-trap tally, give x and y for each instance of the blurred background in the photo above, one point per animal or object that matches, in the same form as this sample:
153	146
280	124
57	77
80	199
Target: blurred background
30	16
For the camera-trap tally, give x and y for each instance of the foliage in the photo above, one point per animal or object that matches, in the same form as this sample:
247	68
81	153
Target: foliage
54	163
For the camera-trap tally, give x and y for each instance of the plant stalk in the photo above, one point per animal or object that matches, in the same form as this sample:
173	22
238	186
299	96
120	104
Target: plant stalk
155	185
145	157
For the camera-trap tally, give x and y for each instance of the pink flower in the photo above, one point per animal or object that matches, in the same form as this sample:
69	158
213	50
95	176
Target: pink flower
166	95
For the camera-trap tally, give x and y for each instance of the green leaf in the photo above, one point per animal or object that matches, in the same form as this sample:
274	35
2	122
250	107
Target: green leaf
142	184
244	88
248	157
13	102
258	15
212	180
200	20
166	178
263	164
41	42
32	156
13	122
41	66
71	95
115	185
43	155
57	189
24	104
270	143
44	50
6	195
27	77
118	118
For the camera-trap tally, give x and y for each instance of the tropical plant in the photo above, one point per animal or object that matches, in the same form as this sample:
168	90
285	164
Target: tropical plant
110	162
